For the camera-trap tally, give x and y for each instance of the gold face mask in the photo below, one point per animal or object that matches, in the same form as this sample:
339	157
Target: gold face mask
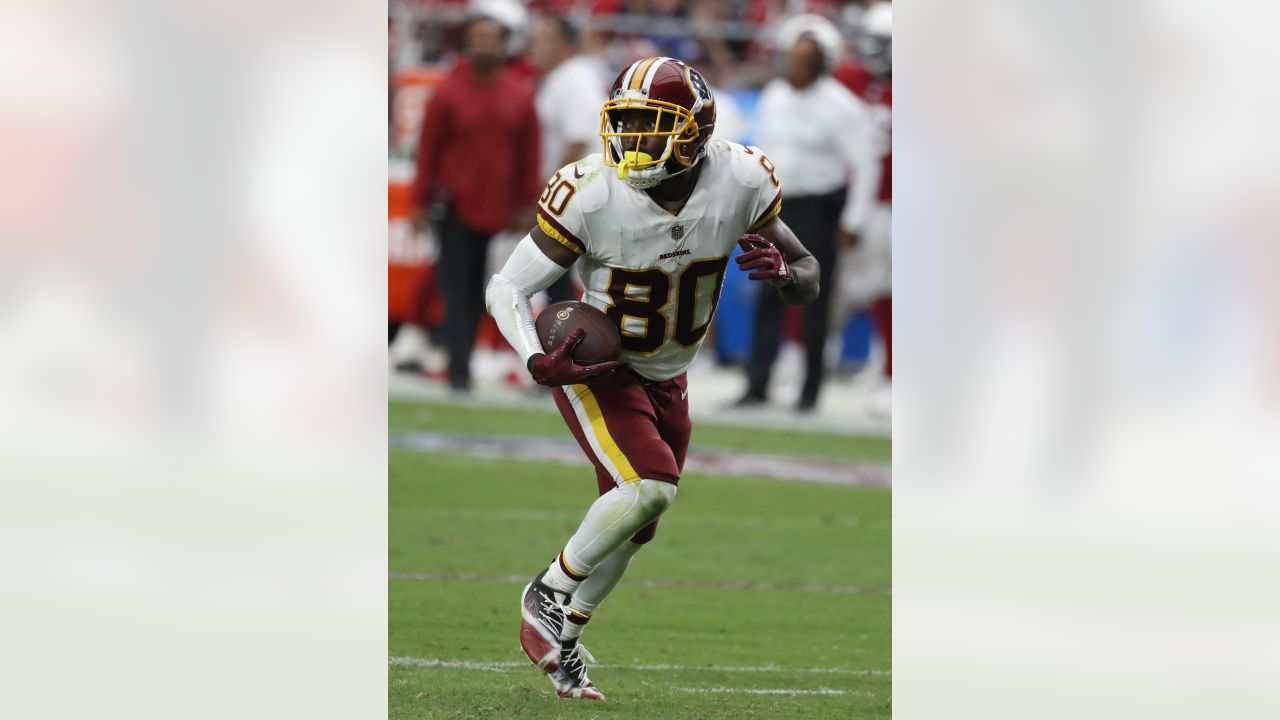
623	150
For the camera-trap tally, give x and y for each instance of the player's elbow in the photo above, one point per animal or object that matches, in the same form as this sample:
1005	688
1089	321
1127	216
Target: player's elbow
813	288
497	294
811	291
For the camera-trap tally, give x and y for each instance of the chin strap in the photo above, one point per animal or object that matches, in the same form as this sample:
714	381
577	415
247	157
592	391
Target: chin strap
682	171
641	181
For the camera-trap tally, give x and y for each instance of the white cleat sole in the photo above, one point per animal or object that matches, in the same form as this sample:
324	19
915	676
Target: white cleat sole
576	693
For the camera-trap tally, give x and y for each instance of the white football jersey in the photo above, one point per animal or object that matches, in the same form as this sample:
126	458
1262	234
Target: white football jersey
658	275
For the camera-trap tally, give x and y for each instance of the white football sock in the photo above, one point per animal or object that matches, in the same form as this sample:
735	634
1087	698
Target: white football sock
574	623
596	588
613	518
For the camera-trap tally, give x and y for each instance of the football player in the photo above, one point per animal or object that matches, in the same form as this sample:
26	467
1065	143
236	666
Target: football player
651	221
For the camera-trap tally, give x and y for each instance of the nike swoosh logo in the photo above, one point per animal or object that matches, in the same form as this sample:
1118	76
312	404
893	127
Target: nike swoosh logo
684	393
576	175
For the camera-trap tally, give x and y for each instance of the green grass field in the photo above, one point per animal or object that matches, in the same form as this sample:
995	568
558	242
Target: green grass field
679	638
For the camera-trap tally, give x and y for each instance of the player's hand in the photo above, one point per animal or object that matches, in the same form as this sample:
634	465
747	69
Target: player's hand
558	367
765	259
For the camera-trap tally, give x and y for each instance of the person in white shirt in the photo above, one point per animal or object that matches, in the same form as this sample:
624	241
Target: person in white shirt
825	146
570	93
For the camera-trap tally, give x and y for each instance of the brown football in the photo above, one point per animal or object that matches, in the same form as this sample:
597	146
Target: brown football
601	342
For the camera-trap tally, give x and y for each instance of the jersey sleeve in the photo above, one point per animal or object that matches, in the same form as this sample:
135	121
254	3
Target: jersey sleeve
771	202
562	211
764	193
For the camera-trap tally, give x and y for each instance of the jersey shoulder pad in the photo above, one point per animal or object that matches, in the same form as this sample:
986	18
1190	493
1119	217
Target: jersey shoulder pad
590	178
580	185
749	166
572	196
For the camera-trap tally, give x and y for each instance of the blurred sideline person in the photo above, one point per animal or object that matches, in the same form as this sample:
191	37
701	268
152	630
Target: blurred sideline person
570	93
569	97
821	138
871	79
477	174
651	222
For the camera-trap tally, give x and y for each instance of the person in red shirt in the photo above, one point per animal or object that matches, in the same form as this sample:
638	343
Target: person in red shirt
477	175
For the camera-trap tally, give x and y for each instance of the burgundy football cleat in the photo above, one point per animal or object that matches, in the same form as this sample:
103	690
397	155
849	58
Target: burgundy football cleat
571	680
541	620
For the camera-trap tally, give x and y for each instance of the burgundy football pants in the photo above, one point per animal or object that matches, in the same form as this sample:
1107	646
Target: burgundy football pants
630	428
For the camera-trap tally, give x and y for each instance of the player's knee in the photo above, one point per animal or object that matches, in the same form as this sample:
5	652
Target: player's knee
655	496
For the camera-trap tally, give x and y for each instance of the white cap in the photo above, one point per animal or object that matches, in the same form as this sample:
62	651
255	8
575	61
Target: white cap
510	14
817	27
878	20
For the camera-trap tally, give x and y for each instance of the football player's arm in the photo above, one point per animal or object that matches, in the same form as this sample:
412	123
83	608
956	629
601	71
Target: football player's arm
794	273
536	263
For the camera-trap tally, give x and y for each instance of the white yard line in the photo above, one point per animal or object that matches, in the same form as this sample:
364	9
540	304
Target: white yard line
777	691
510	666
656	582
458	664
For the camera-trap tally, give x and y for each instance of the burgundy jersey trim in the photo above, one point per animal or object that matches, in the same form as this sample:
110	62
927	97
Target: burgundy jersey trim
579	246
769	212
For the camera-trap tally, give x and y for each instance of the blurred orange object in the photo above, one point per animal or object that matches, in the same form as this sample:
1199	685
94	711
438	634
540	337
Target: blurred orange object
413	88
411	288
410	270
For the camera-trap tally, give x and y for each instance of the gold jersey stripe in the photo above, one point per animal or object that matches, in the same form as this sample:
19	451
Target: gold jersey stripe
550	230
